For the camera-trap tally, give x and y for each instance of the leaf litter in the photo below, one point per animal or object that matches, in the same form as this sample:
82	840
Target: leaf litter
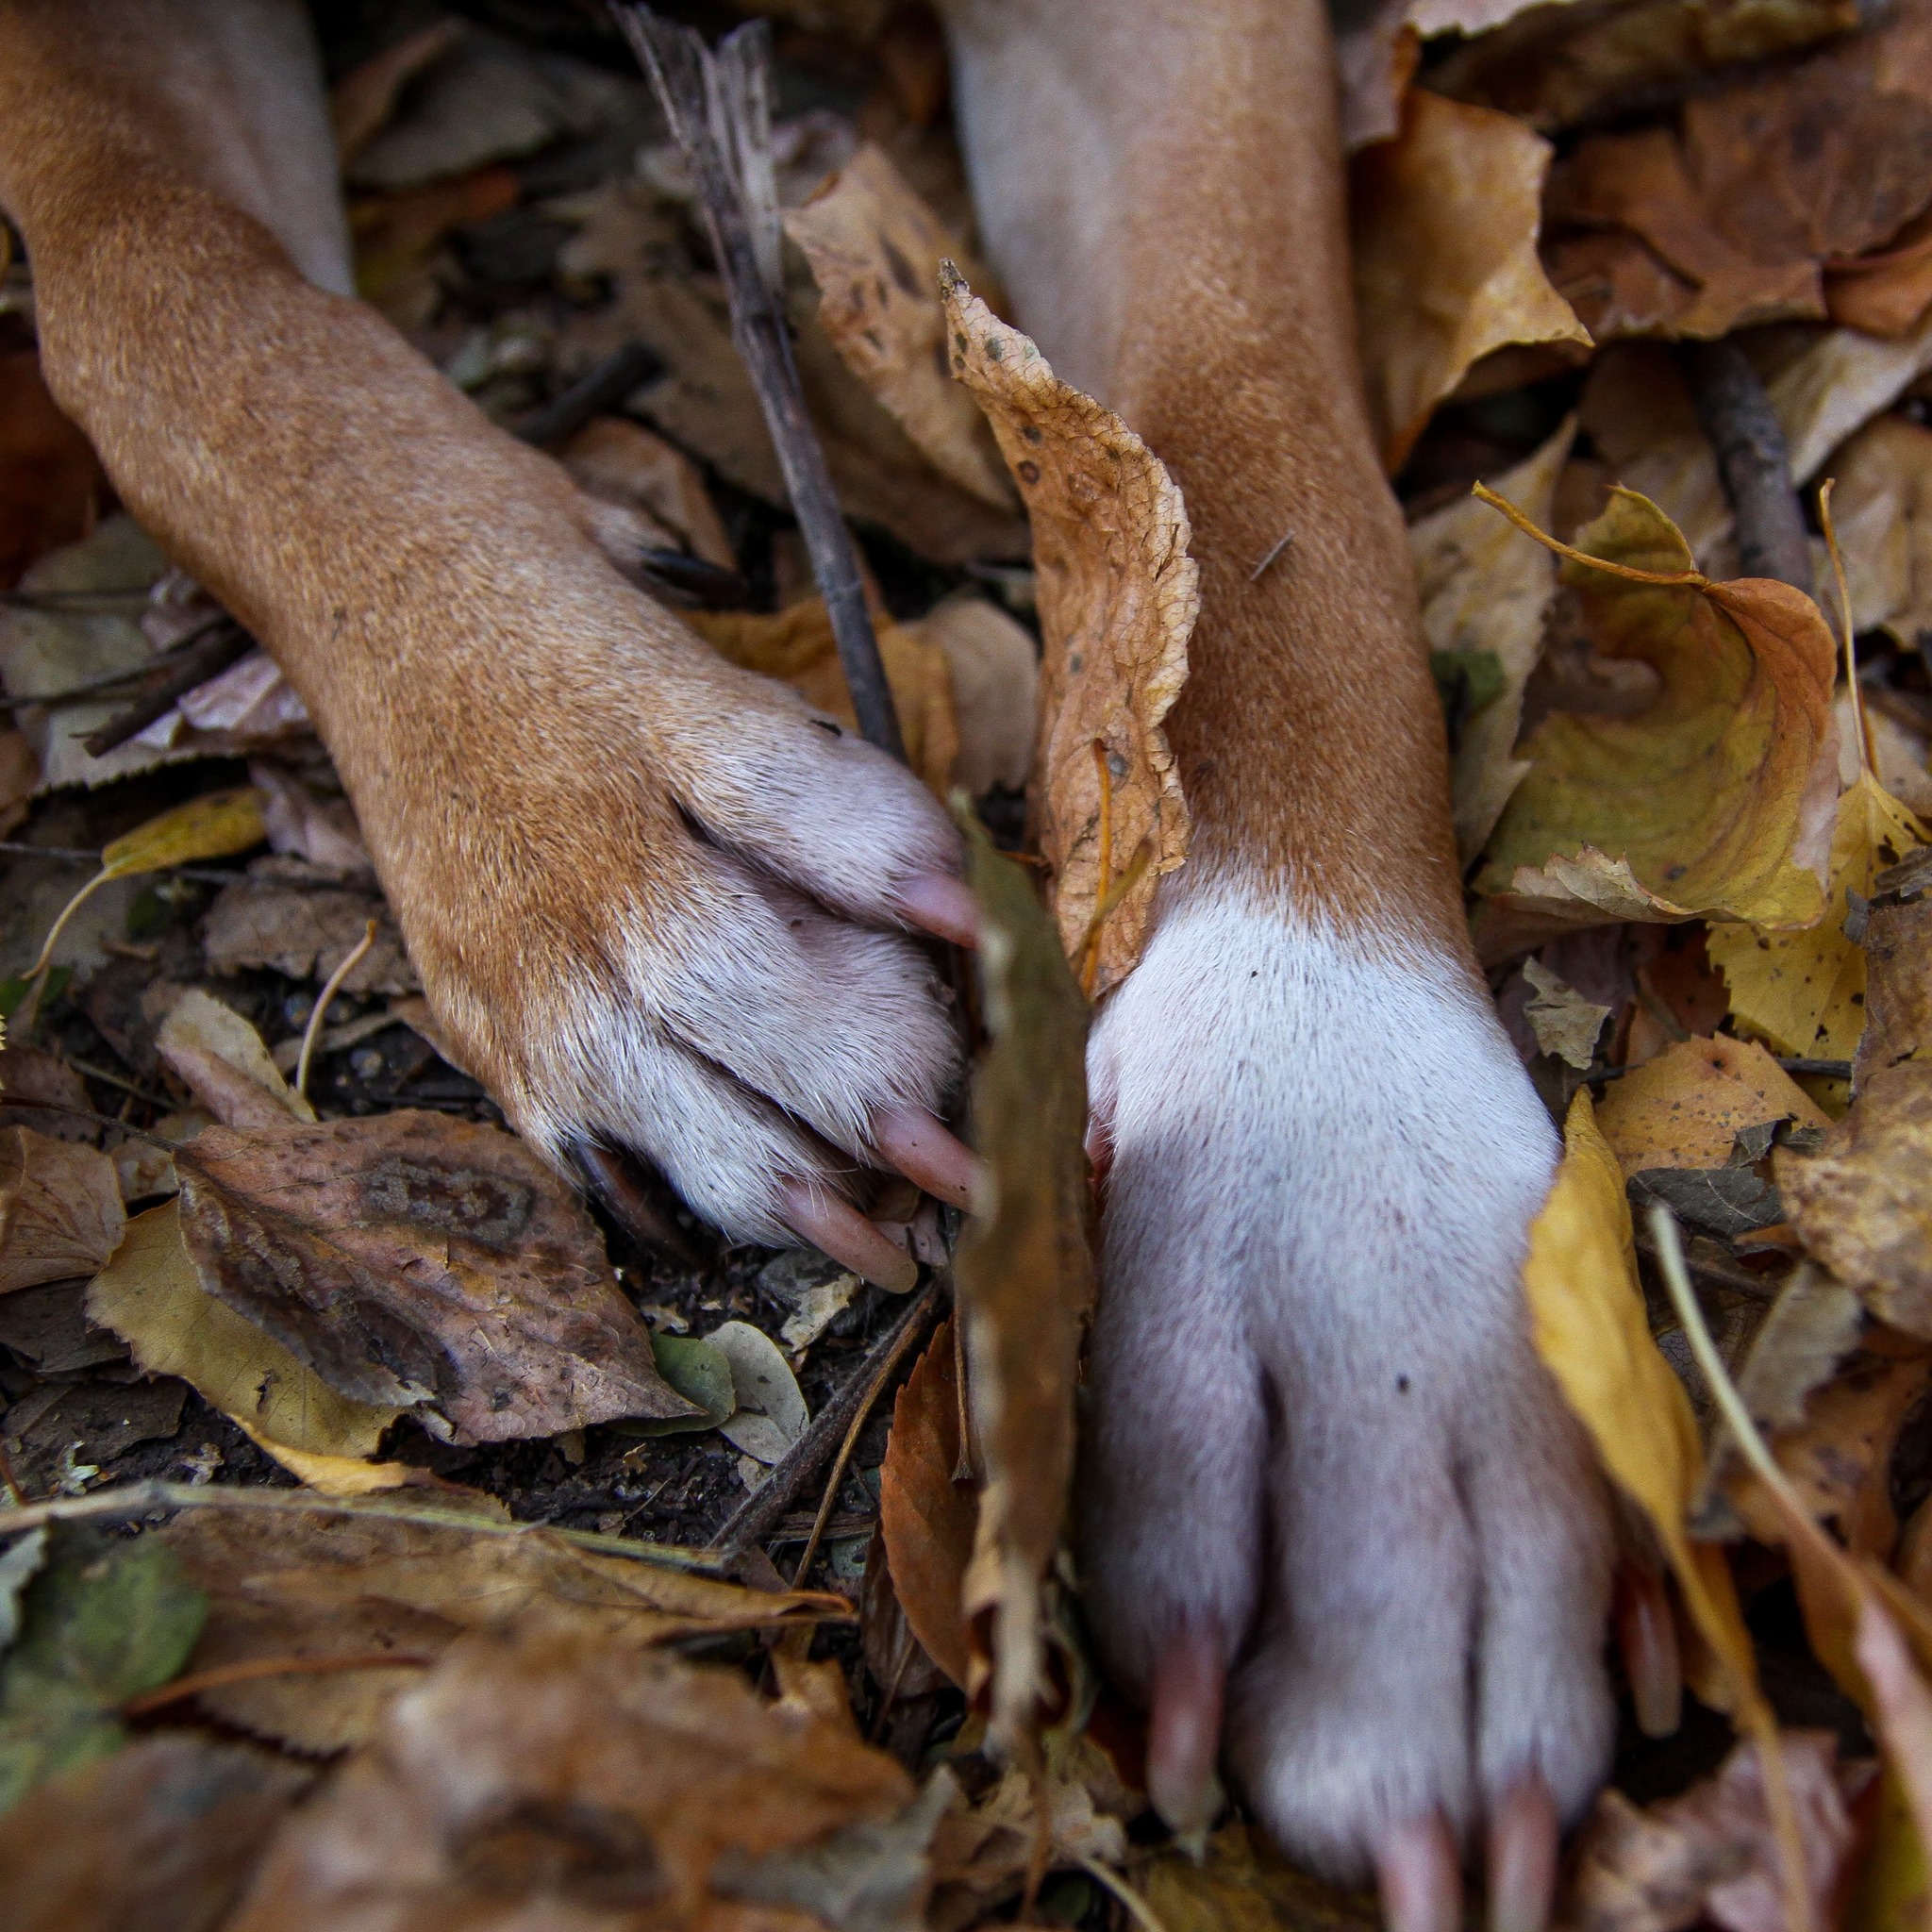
1715	918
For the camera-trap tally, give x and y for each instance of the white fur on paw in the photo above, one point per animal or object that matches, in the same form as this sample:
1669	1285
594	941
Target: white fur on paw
1319	1423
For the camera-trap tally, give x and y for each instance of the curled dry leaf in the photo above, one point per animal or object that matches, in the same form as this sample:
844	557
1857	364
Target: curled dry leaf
1704	801
569	1781
1565	1024
1118	596
60	1213
340	1585
226	1065
1861	1204
162	1836
620	461
1838	384
1687	1107
770	1413
305	933
995	667
1881	507
1025	1277
1485	586
1805	991
414	1261
874	250
151	1297
927	1514
1444	223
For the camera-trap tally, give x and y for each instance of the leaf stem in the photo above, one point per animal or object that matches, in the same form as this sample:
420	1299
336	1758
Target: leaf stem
353	958
1693	579
1844	606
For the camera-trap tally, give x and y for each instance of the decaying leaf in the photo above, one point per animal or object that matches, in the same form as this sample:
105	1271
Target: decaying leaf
151	1295
162	1836
1805	991
305	932
60	1213
101	1622
1687	1107
1485	587
1881	507
1698	802
874	250
770	1413
1838	384
1898	983
796	646
322	1588
927	1514
623	462
558	1780
1565	1024
995	667
226	1065
1444	223
1243	1885
414	1261
1118	597
1025	1277
1861	1204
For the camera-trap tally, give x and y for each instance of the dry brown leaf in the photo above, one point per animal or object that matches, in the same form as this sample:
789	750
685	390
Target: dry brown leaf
160	1837
60	1213
572	1782
1565	1024
226	1065
361	102
1711	798
305	932
1025	1276
31	1074
927	1515
1886	293
51	483
1838	385
1711	1853
1687	1107
419	1261
1243	1885
1118	598
1898	985
1486	587
623	462
1881	507
796	646
345	1585
1444	220
874	250
995	667
20	777
1861	1204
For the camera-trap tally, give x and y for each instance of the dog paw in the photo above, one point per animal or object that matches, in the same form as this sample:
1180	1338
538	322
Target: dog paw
1328	1477
659	904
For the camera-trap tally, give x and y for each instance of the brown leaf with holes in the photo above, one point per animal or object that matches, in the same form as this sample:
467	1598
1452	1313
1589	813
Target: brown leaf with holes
414	1261
1444	222
560	1783
1118	597
874	250
343	1586
1861	1204
60	1213
926	1513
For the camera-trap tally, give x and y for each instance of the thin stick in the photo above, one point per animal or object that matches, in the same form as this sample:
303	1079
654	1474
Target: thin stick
251	1670
1138	1909
592	394
351	959
1845	607
719	109
215	645
1275	549
1753	462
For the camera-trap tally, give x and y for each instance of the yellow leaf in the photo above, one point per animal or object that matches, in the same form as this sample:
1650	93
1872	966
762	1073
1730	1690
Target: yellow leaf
151	1297
1805	991
1706	797
1890	1892
332	1476
1687	1107
215	825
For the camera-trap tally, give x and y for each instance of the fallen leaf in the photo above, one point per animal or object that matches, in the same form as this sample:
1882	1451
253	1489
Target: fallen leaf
796	646
51	484
875	249
1712	1852
569	1781
151	1295
1687	1107
1890	1890
1860	1204
20	777
103	1621
1118	597
1565	1024
1025	1280
1881	507
1904	1713
927	1514
61	1211
322	1588
623	462
1805	991
305	932
303	822
1838	385
1898	984
162	1836
362	101
30	1074
995	667
1485	587
1698	802
1444	221
699	1372
226	1065
1243	1885
771	1413
1887	292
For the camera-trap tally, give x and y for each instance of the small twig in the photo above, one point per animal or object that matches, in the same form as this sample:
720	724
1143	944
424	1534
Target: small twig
250	1669
8	1481
1280	544
718	105
218	644
1137	1907
761	1512
1753	462
595	394
1804	1063
353	958
1854	686
108	1080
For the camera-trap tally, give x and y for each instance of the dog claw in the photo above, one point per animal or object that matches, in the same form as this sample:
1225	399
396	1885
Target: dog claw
838	1229
1420	1877
911	1140
1523	1832
1184	1735
1647	1636
940	903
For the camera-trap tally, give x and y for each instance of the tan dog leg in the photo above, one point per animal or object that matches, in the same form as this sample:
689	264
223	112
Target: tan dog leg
1325	1457
655	899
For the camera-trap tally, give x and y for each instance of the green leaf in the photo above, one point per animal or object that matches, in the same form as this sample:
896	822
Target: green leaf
106	1619
701	1373
15	989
